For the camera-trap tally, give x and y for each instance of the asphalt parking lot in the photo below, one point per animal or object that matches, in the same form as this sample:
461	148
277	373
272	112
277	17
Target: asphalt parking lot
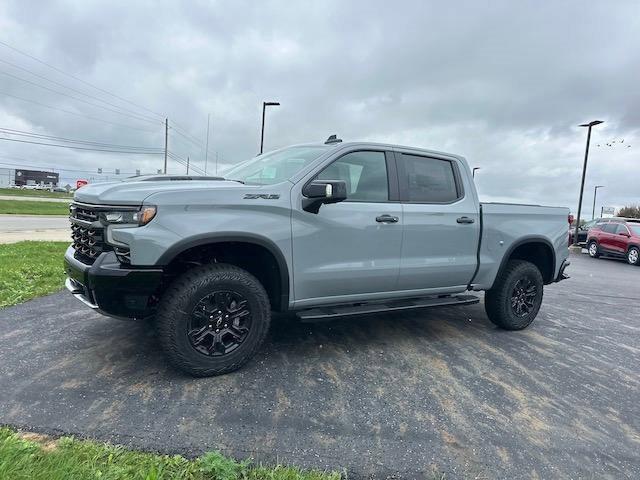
397	396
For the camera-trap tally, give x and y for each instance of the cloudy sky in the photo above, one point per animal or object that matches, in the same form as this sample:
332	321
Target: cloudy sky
503	83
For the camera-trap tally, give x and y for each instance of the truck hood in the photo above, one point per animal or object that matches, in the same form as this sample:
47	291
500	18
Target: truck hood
132	192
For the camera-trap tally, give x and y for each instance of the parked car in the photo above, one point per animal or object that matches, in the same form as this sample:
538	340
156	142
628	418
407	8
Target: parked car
583	229
616	237
324	230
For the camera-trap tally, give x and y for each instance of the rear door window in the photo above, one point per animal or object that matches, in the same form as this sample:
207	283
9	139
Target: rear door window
429	180
621	228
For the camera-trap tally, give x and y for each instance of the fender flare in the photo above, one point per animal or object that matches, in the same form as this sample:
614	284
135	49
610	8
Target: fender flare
523	241
240	237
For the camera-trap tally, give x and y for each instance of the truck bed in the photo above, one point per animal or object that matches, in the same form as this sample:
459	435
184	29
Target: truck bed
505	225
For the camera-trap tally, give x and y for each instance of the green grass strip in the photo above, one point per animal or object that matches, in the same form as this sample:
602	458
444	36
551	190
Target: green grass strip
30	207
30	269
35	457
16	192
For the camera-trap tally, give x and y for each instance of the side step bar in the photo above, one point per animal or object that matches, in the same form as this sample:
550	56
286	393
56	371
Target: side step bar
389	306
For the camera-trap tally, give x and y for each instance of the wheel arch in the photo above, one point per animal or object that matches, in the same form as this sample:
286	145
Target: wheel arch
535	249
220	243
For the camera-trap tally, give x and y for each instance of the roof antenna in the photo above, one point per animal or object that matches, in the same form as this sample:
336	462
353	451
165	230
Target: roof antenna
332	139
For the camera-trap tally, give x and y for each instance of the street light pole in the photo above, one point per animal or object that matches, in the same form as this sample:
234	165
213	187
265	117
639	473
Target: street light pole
473	172
595	194
264	107
584	173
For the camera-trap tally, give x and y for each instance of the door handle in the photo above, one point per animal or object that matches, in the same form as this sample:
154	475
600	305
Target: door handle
386	219
464	220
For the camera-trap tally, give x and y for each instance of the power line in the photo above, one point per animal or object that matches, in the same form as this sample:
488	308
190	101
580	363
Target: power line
11	131
76	113
79	148
74	89
79	79
183	162
184	131
188	137
199	145
142	119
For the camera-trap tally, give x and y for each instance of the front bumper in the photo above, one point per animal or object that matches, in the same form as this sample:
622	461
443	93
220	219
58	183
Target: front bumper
110	288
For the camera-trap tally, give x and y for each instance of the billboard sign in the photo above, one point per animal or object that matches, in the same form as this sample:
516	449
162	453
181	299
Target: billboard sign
608	210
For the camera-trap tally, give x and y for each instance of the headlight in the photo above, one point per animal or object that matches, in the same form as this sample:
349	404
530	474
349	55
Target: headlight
131	217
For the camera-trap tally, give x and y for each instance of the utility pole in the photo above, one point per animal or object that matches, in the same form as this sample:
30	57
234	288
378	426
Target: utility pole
584	173
216	162
595	194
264	107
206	151
166	143
187	164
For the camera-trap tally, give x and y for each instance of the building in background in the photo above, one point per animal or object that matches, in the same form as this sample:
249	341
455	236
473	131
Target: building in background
7	176
36	177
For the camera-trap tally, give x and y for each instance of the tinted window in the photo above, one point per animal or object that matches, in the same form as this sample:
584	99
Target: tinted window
610	227
590	224
429	180
365	174
621	228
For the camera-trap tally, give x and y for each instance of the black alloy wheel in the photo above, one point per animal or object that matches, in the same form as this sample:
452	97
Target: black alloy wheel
212	319
515	298
219	323
523	297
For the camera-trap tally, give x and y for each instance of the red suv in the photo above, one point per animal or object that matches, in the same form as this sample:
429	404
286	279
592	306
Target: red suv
616	237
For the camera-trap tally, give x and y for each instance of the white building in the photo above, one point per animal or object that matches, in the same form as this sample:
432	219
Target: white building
7	176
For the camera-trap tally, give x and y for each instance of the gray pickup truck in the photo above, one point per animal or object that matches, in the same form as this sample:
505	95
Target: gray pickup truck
323	230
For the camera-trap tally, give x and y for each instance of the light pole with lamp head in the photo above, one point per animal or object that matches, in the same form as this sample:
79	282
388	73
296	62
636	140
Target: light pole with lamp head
595	194
264	107
473	172
584	173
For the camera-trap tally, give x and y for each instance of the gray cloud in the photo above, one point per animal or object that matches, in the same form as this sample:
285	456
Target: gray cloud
503	83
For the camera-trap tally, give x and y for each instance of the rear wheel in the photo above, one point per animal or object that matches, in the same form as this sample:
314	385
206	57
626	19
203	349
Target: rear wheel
213	319
593	249
633	256
515	299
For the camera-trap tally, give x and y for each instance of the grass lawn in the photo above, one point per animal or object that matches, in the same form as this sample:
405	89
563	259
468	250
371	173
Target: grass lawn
30	269
26	207
35	457
34	193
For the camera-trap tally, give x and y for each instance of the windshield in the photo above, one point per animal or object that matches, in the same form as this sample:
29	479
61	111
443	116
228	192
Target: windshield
635	228
275	167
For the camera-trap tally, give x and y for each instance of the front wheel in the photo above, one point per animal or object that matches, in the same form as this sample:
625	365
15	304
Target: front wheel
593	249
515	299
212	319
633	256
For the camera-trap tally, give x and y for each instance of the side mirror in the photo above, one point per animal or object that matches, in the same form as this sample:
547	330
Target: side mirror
323	191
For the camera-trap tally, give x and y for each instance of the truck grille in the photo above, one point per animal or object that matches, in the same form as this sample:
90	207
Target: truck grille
87	233
88	242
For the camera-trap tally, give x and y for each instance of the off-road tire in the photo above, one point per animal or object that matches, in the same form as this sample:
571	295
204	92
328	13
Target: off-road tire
498	300
593	249
633	259
179	300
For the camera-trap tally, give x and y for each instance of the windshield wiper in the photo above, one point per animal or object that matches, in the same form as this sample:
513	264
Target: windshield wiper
233	180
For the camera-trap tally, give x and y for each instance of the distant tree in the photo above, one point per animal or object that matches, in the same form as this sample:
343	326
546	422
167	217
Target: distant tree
631	211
